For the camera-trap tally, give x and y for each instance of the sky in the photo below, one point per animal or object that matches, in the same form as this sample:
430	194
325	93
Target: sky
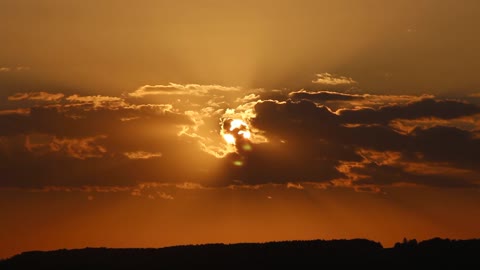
158	123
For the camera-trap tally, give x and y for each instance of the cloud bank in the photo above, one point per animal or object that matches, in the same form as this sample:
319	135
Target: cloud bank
323	138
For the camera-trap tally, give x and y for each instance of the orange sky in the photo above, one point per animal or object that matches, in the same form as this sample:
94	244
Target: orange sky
70	220
160	123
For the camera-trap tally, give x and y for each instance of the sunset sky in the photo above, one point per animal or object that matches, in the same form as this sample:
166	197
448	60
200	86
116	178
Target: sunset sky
158	123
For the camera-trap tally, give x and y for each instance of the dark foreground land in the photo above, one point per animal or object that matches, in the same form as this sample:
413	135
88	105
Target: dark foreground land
290	253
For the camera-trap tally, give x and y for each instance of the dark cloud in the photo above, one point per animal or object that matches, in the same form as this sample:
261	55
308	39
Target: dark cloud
95	142
304	118
322	136
79	163
82	121
381	175
282	163
443	109
447	144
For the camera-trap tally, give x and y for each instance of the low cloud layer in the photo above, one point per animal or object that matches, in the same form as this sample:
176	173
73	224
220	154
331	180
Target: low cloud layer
174	134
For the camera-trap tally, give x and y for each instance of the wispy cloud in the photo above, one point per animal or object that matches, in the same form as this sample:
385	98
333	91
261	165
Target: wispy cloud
295	186
18	68
79	148
142	155
180	89
330	79
20	111
98	100
38	96
165	196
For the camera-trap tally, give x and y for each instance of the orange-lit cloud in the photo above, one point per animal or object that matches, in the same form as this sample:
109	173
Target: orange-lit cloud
330	79
142	155
19	111
98	100
80	148
40	96
179	89
470	123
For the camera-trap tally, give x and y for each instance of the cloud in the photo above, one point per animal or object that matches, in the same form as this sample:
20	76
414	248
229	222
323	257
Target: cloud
312	132
344	101
248	98
398	168
179	89
205	105
98	101
330	79
470	123
18	69
323	96
393	175
38	96
189	186
85	189
80	148
19	111
165	196
142	155
147	190
151	191
300	139
442	109
295	152
82	121
61	144
295	186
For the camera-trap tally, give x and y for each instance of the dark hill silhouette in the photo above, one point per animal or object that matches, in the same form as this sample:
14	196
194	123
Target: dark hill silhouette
294	253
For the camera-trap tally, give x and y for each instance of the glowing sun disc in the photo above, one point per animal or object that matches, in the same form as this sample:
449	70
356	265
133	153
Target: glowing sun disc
237	123
229	138
236	127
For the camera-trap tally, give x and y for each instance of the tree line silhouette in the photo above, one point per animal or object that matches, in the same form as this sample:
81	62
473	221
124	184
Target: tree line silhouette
435	251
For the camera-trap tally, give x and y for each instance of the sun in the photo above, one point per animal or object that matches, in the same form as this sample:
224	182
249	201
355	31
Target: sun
229	138
235	129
